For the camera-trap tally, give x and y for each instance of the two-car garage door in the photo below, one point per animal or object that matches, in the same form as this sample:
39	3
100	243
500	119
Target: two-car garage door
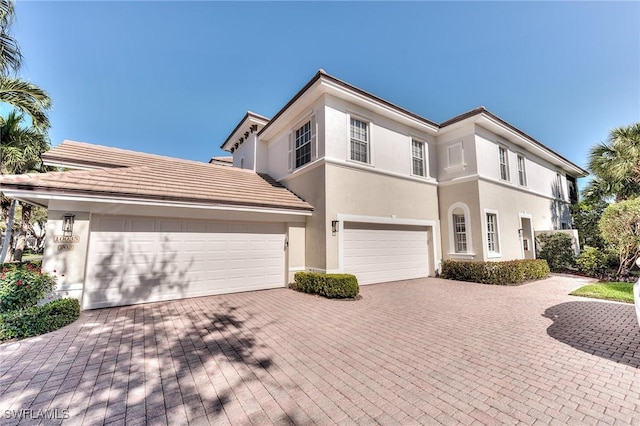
141	259
378	253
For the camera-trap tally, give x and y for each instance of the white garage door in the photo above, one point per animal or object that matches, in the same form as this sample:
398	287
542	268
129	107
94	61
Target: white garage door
138	259
379	253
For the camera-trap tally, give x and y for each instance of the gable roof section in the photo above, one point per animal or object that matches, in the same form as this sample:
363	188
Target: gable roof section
483	112
136	175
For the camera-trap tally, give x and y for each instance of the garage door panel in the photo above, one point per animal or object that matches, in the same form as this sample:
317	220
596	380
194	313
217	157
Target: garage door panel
378	253
180	258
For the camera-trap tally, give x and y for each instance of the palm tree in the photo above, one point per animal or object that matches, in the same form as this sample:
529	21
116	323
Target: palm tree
615	165
27	98
22	95
20	153
10	56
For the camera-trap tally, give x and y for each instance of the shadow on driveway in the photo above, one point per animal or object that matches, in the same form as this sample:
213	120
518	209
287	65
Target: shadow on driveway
607	330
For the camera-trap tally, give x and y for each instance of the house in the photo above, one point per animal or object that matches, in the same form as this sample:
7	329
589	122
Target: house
338	180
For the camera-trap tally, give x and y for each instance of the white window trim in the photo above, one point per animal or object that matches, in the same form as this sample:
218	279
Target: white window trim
368	121
492	254
559	186
467	222
506	152
291	152
456	167
524	169
425	157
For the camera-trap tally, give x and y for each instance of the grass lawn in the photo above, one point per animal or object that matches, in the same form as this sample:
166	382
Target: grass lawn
621	292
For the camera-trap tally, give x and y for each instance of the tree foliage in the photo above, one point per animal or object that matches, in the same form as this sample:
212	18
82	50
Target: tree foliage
615	165
10	55
557	249
620	228
586	215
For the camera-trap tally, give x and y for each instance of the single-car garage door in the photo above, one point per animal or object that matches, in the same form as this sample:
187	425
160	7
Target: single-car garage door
378	253
141	259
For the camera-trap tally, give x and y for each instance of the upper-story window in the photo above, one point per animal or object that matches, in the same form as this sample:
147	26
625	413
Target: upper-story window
418	163
359	140
559	193
522	173
303	144
504	163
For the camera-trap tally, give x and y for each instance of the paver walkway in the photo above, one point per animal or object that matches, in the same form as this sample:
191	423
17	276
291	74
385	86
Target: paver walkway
415	352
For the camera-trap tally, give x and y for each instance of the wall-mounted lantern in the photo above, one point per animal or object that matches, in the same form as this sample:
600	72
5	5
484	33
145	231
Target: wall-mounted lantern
67	223
334	226
520	233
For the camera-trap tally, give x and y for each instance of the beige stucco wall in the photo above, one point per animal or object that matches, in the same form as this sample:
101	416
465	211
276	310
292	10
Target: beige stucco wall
67	259
467	193
355	192
309	184
296	236
511	203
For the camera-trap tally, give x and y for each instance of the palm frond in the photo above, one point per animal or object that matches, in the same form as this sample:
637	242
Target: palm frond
27	98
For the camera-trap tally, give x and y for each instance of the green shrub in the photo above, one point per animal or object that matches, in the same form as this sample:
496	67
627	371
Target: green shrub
592	262
22	286
557	249
38	319
497	273
333	286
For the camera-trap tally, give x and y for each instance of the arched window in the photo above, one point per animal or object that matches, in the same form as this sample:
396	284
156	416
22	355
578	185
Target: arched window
459	229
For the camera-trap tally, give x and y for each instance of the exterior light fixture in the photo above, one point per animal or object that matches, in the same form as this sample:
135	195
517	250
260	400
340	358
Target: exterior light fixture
334	226
67	223
520	233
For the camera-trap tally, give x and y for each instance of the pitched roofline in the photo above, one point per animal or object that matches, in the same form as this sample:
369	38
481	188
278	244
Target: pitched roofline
47	156
321	74
482	110
27	188
248	114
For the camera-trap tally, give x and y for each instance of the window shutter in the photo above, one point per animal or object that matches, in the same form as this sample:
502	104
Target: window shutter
290	152
314	138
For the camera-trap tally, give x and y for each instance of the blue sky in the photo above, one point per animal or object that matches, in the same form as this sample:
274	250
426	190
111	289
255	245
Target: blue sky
174	78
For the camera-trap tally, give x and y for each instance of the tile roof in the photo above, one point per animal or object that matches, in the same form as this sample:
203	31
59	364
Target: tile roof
128	174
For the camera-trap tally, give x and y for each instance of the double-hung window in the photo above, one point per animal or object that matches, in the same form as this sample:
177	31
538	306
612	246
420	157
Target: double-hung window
504	163
418	158
460	233
492	233
359	140
522	174
303	144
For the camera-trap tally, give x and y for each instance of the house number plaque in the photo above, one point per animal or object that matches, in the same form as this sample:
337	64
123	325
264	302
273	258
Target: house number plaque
66	239
65	247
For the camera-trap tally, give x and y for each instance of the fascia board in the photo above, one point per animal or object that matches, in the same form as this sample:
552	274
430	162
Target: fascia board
36	195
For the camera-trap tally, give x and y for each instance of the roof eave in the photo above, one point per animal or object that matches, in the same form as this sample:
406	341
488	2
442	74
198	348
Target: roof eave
31	193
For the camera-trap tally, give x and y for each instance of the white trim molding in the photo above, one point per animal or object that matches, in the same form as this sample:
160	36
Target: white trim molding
467	224
485	236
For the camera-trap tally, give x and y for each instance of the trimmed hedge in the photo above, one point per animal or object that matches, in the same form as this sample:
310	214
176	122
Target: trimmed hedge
332	286
38	319
498	273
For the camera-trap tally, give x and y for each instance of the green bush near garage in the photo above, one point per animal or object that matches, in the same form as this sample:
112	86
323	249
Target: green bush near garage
511	272
332	286
39	319
23	289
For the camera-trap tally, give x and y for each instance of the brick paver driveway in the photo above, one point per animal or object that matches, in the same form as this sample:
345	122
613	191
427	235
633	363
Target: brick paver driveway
423	351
